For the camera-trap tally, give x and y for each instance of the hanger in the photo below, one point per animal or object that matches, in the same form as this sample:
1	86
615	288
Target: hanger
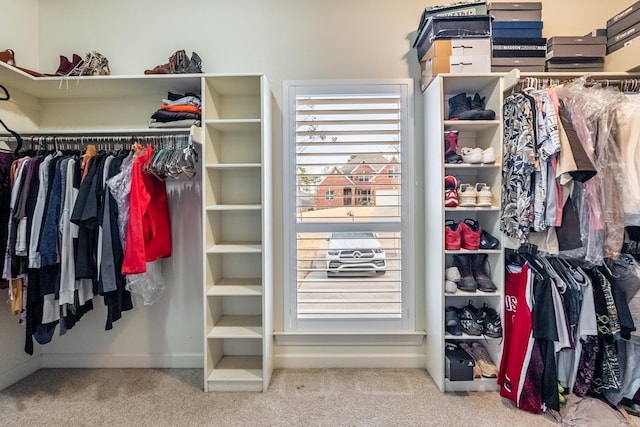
18	138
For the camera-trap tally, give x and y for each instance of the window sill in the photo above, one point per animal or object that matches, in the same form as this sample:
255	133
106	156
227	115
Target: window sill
283	338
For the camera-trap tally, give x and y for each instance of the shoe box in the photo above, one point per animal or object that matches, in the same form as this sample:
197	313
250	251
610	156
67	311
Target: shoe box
623	27
517	29
519	47
508	11
526	65
582	53
456	56
468	8
451	27
458	364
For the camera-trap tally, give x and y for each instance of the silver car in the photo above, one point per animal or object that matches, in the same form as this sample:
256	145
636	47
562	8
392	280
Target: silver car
355	253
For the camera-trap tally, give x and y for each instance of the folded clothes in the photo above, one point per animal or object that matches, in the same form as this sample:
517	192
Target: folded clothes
175	96
185	100
186	123
182	108
169	116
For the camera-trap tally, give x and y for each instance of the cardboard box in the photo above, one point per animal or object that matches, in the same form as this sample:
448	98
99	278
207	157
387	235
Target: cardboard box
517	29
583	47
621	39
623	20
518	47
573	65
458	364
451	28
459	47
432	66
522	68
518	62
502	11
469	8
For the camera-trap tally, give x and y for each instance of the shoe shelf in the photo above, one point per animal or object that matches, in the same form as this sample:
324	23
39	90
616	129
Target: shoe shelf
485	135
238	265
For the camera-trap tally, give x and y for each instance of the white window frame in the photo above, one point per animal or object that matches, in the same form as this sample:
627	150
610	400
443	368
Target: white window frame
407	321
329	195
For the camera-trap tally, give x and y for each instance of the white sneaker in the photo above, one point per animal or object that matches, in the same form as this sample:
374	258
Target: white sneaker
466	195
450	287
452	274
484	197
471	155
489	156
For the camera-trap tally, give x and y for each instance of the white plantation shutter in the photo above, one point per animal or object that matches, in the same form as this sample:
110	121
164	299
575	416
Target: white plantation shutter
346	151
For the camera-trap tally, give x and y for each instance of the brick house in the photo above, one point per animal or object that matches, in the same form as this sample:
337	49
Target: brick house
358	182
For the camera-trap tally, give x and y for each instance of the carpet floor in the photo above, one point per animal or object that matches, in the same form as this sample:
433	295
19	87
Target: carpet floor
296	397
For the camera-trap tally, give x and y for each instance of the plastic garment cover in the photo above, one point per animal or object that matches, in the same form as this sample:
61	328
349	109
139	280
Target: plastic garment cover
593	114
149	285
628	141
120	187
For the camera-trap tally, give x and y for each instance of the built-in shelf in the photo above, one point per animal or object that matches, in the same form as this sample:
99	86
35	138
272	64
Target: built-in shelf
233	165
229	248
251	207
472	165
471	125
234	125
470	252
236	287
473	208
466	294
237	327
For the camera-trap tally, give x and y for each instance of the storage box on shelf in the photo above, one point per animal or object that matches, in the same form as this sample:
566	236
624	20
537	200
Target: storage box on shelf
472	133
584	53
237	224
623	27
515	11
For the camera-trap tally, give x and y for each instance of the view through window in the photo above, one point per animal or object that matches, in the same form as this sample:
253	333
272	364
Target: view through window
349	202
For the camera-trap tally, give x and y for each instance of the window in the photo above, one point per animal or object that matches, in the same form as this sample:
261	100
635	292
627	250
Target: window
346	249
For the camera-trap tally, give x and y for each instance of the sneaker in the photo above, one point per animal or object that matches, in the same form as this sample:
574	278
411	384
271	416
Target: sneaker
491	322
484	197
467	282
471	155
482	273
451	323
487	241
466	195
477	373
450	287
489	156
453	274
452	236
470	231
483	360
470	320
451	147
450	191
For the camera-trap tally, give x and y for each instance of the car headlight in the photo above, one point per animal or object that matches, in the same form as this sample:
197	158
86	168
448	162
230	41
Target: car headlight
333	252
378	251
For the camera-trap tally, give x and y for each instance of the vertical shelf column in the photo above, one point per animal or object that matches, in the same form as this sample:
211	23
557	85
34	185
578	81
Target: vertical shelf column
237	225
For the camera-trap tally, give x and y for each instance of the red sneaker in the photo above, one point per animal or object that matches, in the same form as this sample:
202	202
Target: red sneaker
452	236
450	191
470	234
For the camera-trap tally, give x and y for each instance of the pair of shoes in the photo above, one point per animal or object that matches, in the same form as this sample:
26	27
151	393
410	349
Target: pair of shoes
93	64
462	235
462	107
491	324
477	372
179	63
451	147
469	196
478	155
475	273
67	66
452	277
8	56
451	322
478	321
481	358
450	191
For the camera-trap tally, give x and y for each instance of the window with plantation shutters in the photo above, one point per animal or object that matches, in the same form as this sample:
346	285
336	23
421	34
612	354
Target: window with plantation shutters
346	146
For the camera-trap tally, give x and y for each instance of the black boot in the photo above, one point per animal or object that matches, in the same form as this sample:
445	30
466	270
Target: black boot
478	104
467	282
460	108
480	267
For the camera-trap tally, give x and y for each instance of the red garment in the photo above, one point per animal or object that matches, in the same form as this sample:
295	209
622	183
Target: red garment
148	234
182	108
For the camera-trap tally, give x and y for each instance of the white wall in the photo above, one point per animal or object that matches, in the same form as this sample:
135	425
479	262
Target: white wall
285	39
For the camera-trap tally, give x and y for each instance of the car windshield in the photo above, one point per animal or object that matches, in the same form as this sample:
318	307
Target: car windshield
353	235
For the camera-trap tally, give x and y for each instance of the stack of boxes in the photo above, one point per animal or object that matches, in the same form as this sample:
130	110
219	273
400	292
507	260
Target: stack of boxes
517	37
454	39
624	28
584	54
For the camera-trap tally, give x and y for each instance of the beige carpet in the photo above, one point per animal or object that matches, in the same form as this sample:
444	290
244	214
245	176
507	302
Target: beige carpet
296	397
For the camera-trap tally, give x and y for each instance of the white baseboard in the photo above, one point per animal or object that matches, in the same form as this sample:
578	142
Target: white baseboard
300	361
19	372
101	360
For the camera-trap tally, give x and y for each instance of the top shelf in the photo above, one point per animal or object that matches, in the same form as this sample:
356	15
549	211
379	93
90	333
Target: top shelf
115	86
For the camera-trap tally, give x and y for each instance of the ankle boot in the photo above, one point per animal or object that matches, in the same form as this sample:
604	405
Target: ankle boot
460	108
467	282
451	146
480	266
478	103
178	59
195	64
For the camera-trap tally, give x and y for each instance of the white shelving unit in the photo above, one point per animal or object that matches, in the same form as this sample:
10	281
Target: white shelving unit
237	226
483	134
